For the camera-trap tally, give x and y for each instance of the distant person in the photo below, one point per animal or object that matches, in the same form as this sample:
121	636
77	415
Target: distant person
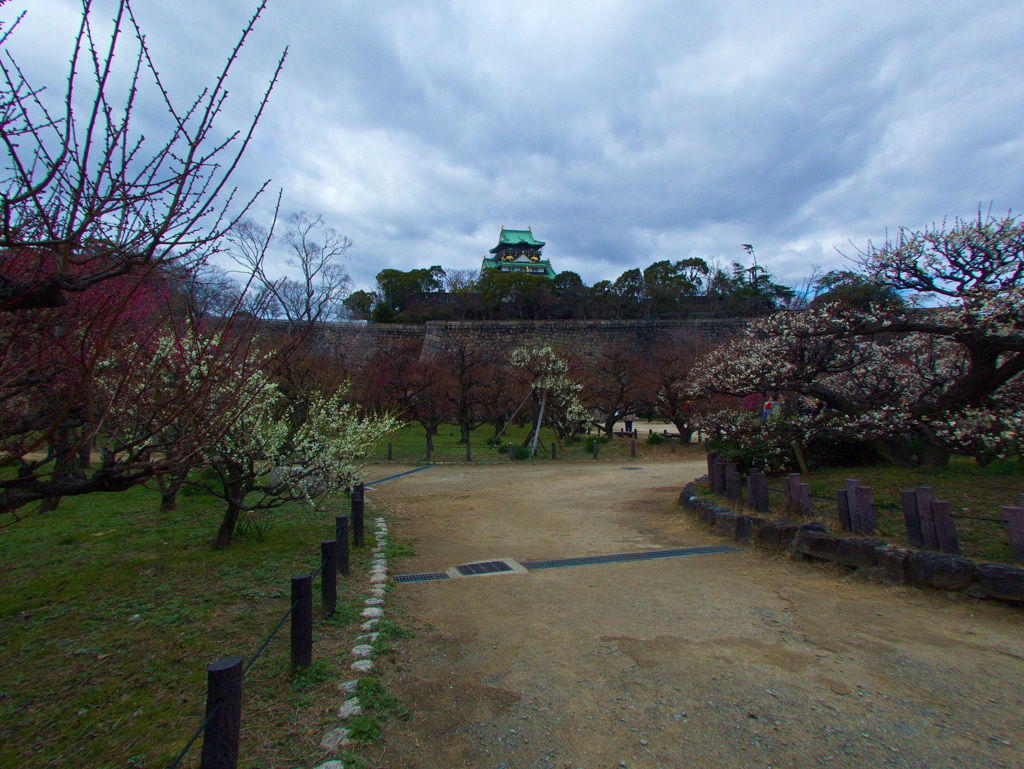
776	409
766	411
628	419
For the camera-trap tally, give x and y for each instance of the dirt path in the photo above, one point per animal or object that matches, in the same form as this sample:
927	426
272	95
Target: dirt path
729	660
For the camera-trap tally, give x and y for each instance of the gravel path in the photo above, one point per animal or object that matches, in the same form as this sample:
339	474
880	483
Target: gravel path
729	660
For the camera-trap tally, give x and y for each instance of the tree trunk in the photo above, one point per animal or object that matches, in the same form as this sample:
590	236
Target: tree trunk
227	527
169	485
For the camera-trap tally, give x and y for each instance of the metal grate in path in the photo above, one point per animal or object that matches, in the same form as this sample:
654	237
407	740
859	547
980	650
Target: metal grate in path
492	567
647	555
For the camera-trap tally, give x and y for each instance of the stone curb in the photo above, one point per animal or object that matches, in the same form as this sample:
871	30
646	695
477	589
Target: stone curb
875	558
339	737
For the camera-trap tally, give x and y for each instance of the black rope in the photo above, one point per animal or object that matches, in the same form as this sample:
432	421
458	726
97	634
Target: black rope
202	726
974	518
320	569
273	632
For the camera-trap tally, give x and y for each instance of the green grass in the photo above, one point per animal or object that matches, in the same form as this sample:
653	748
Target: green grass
409	446
111	612
972	490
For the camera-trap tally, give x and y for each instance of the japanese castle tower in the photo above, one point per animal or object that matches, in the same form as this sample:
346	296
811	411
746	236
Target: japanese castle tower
518	251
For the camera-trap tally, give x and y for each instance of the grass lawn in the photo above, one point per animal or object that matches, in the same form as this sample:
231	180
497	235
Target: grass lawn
409	445
973	491
111	612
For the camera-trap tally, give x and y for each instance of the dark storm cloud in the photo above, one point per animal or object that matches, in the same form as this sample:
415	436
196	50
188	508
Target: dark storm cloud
623	132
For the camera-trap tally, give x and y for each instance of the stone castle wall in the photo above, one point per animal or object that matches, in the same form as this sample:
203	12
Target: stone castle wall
352	343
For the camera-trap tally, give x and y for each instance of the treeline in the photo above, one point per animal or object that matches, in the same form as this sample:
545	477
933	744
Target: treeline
663	289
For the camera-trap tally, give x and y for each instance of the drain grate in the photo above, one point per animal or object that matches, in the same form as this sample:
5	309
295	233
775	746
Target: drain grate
426	576
508	565
484	567
624	557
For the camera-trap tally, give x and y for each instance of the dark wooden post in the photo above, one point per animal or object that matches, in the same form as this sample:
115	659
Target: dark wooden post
553	450
925	497
329	577
595	449
851	485
1015	530
908	501
469	453
224	692
802	502
712	455
510	455
302	621
945	528
389	451
843	509
341	537
757	491
863	508
672	445
357	515
733	481
632	448
789	484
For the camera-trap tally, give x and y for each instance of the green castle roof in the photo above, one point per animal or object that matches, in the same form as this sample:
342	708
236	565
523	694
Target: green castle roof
516	238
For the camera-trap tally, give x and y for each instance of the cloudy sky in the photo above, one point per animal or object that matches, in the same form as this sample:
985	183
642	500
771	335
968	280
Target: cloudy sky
621	132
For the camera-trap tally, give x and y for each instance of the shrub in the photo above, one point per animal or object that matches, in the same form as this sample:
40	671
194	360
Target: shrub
521	452
656	439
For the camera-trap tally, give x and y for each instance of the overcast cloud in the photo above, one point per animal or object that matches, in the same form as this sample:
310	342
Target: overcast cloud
622	132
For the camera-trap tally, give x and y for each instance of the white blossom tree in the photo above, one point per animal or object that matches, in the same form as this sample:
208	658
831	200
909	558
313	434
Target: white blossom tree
556	392
920	382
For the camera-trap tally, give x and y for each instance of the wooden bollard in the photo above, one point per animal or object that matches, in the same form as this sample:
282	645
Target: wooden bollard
843	509
712	455
302	622
389	452
718	477
595	449
553	450
863	509
329	577
803	504
357	515
672	445
945	528
789	484
911	518
1015	530
221	735
469	453
511	454
341	538
632	448
850	485
925	497
757	491
733	481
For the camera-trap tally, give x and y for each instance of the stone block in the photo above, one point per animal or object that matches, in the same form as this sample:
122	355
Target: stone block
893	562
817	544
707	514
726	523
766	533
787	534
940	571
1000	581
858	552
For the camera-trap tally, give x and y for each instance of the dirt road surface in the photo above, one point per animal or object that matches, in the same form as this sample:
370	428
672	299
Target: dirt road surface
740	659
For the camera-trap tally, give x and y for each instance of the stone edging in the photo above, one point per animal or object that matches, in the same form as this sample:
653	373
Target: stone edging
362	652
875	558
